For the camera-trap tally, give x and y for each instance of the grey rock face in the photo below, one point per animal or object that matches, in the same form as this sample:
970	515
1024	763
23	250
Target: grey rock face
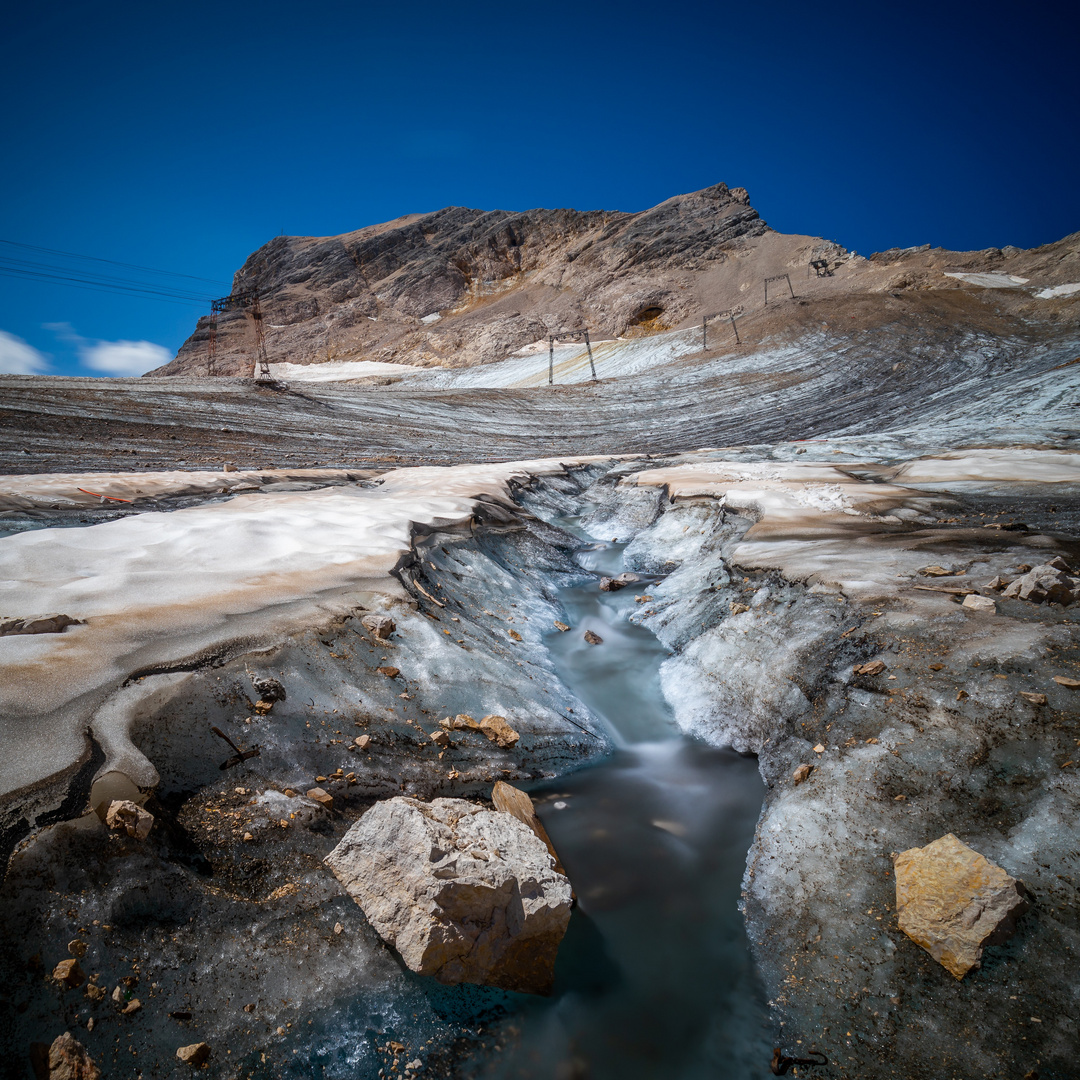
463	893
505	279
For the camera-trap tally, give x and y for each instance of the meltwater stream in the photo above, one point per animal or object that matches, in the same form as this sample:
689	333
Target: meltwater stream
654	978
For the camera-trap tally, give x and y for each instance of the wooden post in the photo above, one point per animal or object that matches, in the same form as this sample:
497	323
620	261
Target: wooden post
592	366
736	329
704	334
551	360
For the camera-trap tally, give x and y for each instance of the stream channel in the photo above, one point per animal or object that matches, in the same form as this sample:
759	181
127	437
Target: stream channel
655	978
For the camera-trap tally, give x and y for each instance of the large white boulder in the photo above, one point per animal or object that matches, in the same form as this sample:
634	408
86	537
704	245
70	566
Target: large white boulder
463	893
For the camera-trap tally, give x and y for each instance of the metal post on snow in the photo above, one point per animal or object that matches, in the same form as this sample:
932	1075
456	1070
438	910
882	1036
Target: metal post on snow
704	334
592	366
551	360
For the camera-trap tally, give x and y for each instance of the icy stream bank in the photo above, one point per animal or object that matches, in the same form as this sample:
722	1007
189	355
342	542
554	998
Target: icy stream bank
655	977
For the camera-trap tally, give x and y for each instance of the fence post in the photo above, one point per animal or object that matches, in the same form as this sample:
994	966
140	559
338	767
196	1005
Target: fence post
551	360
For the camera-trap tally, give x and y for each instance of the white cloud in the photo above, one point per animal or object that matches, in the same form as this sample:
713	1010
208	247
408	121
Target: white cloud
19	358
124	357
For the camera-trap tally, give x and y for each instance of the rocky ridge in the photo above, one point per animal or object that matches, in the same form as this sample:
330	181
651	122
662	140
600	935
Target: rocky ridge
461	287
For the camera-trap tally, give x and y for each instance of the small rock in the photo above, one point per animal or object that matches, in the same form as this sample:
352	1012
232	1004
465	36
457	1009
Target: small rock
494	727
1035	699
979	603
196	1054
561	626
66	1059
441	738
936	571
802	773
118	995
871	667
738	609
379	626
338	928
362	742
69	973
53	623
133	1006
609	584
77	947
819	749
593	639
90	1024
1063	680
324	798
996	584
268	688
248	837
954	902
389	672
515	635
228	466
961	694
95	992
130	817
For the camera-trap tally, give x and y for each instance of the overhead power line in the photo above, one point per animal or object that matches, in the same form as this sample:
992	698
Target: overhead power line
88	278
113	262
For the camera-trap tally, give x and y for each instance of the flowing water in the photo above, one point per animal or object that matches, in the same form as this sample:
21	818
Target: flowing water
655	977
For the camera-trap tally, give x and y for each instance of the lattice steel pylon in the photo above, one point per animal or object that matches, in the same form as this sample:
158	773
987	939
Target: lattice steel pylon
241	301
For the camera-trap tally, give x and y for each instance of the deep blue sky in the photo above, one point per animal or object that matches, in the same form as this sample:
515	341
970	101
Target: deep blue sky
185	136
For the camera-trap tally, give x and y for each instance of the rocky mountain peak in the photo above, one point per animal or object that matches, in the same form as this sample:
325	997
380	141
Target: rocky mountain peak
461	286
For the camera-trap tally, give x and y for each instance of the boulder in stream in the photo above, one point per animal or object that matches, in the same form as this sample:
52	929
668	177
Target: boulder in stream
954	902
463	893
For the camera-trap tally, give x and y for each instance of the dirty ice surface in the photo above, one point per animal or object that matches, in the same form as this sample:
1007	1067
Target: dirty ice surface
153	589
655	976
338	370
990	281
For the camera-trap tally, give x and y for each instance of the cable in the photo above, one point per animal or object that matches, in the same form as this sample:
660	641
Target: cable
24	266
76	283
111	262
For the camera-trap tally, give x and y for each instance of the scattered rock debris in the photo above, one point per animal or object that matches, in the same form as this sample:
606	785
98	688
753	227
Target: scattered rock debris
494	727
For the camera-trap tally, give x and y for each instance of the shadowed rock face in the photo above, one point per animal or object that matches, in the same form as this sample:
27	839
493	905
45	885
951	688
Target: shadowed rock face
501	279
